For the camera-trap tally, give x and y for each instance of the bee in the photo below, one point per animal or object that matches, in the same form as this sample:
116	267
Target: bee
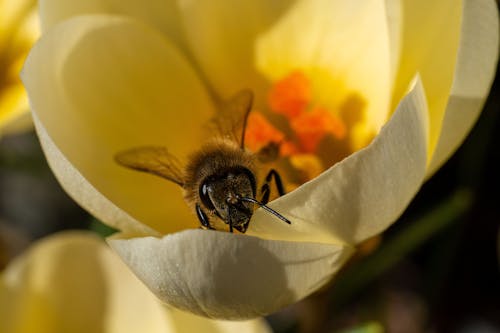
219	180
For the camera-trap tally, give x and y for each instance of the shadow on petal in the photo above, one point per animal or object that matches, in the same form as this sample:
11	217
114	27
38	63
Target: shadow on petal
229	276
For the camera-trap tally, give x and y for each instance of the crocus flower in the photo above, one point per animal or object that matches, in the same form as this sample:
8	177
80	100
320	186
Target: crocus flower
18	31
73	282
375	95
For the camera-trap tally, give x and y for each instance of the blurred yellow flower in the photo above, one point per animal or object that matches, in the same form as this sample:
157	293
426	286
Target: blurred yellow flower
395	86
72	282
18	31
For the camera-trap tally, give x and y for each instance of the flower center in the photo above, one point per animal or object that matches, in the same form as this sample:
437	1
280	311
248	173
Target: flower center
311	134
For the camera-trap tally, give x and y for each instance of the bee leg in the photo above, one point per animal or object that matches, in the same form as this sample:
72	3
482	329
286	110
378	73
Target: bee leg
229	220
203	218
242	228
266	191
277	179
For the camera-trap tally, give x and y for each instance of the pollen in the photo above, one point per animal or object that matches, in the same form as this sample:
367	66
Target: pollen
290	95
260	132
312	126
306	130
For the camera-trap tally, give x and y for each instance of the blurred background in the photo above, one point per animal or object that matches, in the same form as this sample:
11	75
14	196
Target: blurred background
435	270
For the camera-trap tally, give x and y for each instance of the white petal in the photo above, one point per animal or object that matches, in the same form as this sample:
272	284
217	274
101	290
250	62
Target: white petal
474	73
430	34
83	192
73	282
102	84
362	195
160	14
230	276
186	322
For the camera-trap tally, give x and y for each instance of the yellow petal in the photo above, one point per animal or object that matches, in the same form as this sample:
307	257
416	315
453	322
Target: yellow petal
99	85
363	194
346	45
162	15
230	276
12	13
474	73
18	31
72	282
429	43
13	104
20	124
221	37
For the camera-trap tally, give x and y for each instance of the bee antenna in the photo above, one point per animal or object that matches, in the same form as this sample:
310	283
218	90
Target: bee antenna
270	210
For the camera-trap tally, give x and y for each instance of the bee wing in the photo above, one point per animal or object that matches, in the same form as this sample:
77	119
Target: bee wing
154	160
231	119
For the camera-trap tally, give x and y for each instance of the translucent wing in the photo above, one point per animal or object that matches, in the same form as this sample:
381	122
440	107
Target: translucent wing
154	160
231	119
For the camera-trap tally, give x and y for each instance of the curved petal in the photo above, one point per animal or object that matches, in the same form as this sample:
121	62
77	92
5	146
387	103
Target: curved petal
363	194
229	276
72	282
19	29
13	105
186	322
429	43
221	38
12	14
21	123
102	84
160	14
474	73
84	193
335	37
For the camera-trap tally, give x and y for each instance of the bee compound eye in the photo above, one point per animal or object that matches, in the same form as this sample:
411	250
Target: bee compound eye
204	193
204	189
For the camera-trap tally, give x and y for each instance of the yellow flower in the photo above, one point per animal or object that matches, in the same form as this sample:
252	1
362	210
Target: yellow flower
110	75
18	31
72	282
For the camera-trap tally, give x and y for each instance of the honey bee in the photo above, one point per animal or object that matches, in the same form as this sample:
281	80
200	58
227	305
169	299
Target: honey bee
219	180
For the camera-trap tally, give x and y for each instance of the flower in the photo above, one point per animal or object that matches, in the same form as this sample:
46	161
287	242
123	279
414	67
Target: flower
391	97
18	32
73	282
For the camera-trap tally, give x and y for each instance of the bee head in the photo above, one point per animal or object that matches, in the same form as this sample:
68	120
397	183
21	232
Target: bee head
223	194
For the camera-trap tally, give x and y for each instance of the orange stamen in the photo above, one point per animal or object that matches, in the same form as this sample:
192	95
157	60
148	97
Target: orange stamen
288	148
291	95
260	132
311	127
334	125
